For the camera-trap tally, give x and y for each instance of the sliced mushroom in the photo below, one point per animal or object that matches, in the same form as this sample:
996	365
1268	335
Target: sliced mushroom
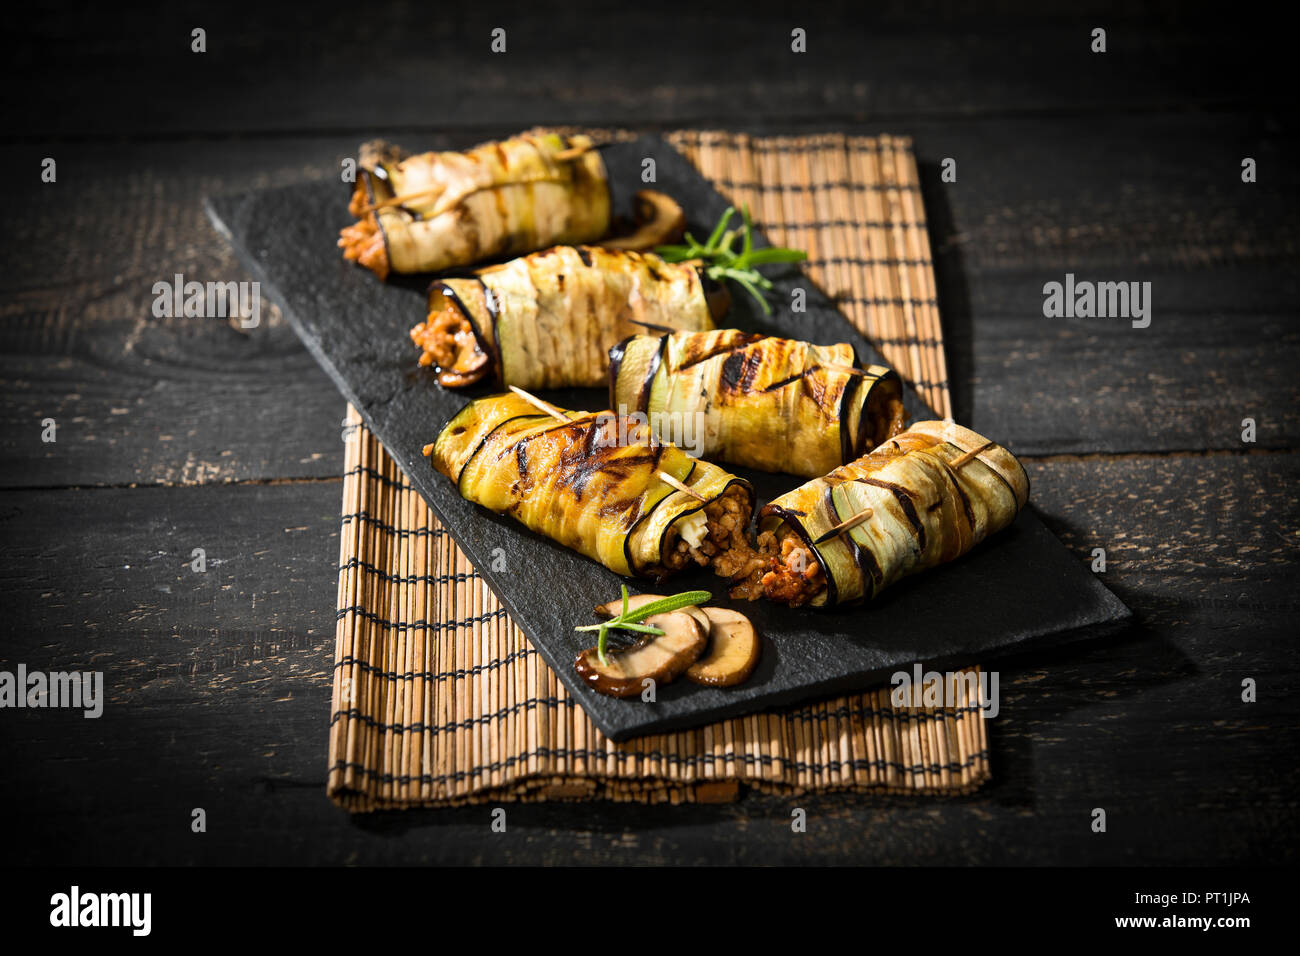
733	650
614	608
659	657
659	220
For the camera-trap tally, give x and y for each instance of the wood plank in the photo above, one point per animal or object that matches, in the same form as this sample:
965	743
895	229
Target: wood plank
145	400
1151	199
1048	386
140	399
269	70
1149	726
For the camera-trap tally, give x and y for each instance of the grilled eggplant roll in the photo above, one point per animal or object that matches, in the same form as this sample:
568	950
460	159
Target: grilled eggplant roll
767	403
434	211
923	498
593	484
548	320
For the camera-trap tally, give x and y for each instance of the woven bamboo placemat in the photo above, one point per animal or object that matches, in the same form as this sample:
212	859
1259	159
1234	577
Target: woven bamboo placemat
439	700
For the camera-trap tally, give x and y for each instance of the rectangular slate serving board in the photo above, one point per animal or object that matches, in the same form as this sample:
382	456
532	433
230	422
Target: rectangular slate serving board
1021	588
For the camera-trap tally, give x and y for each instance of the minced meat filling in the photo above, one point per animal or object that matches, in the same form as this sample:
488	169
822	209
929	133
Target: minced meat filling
724	517
885	420
735	556
781	567
724	547
363	241
795	576
450	345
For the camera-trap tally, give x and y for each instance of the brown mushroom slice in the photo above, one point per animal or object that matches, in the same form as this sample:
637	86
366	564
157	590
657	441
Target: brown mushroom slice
659	221
634	601
733	652
660	658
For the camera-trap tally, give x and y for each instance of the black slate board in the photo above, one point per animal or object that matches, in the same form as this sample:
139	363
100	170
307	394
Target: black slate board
1021	588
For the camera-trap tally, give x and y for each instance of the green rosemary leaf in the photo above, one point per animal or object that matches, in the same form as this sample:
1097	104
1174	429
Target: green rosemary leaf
629	620
720	228
748	245
674	603
719	259
762	257
620	625
662	606
635	627
675	253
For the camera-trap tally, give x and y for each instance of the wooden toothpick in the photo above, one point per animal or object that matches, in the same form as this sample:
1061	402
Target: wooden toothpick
849	370
405	198
537	403
670	480
830	367
651	325
970	456
845	525
573	152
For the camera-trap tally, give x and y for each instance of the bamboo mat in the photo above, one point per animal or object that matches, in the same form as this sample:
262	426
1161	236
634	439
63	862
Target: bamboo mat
439	700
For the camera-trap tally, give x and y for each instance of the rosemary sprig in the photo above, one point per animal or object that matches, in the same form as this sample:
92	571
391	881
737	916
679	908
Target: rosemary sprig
630	620
720	261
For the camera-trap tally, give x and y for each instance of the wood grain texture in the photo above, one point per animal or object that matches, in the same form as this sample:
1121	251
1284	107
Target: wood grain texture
146	400
1120	166
202	714
268	69
141	399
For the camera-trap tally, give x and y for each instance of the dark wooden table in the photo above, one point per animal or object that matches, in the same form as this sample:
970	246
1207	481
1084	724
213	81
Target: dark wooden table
176	434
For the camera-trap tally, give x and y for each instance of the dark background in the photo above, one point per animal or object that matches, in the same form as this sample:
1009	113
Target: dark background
184	433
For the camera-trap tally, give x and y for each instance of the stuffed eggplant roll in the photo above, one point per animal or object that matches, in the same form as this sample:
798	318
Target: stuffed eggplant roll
599	485
763	402
434	211
922	498
548	320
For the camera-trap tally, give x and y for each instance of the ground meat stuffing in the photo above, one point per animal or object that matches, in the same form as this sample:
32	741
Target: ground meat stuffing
363	241
724	547
750	566
885	420
450	345
782	569
795	576
735	556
